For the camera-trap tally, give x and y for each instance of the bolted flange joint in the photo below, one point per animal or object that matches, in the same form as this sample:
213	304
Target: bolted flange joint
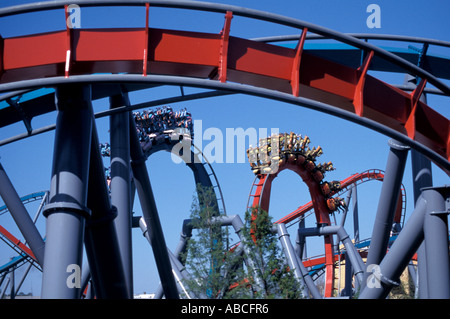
66	207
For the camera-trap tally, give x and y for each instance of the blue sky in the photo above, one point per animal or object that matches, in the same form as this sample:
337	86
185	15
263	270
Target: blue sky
351	148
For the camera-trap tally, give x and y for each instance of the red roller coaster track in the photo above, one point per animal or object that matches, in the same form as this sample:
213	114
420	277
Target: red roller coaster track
261	198
351	180
227	59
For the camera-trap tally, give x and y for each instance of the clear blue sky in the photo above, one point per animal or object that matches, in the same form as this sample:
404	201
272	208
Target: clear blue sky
350	147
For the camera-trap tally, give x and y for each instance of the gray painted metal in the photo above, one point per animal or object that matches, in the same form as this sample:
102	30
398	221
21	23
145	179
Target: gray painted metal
179	271
436	242
238	88
422	177
101	242
21	216
300	272
387	274
66	212
150	212
387	204
351	251
244	12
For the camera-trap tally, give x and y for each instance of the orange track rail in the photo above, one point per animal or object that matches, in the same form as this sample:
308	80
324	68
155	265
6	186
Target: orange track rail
372	175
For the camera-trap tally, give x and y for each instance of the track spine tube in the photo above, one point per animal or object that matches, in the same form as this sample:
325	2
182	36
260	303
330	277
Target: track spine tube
101	240
398	257
300	272
121	182
68	193
436	242
387	204
21	216
150	212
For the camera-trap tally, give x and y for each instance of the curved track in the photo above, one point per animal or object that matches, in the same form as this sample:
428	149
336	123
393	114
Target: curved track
291	151
345	184
224	58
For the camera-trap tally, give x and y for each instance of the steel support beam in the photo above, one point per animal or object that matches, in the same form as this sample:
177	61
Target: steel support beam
21	216
387	204
436	242
351	251
150	214
422	177
121	182
67	211
300	272
385	276
102	245
178	269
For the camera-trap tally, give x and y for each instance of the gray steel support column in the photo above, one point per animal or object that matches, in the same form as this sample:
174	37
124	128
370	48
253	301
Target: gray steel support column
387	203
355	213
102	247
121	182
178	269
422	177
300	272
185	235
21	216
386	275
66	212
300	247
348	291
436	242
150	214
13	283
351	251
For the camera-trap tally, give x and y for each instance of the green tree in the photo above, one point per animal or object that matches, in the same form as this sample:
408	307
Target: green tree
278	280
206	257
220	271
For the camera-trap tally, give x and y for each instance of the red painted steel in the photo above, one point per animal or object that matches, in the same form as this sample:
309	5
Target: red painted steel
370	175
358	100
225	36
197	54
16	242
261	199
295	74
145	55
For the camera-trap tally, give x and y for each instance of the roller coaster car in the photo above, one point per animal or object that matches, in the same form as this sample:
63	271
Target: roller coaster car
318	175
291	158
300	159
326	188
309	165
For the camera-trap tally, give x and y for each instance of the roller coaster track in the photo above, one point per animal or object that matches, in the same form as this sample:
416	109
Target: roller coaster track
111	60
354	179
24	252
203	171
291	151
75	55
